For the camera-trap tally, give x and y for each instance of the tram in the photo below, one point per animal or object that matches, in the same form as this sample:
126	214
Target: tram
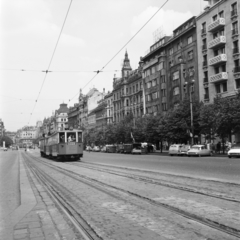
63	145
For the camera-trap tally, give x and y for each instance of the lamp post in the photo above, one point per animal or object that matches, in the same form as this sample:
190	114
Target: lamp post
191	109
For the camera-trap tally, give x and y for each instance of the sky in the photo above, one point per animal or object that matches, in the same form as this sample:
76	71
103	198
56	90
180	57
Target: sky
94	32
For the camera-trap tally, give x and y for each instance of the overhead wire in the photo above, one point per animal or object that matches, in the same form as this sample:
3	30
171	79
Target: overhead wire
122	47
46	72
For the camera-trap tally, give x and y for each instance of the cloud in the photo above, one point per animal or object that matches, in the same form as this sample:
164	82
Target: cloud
167	20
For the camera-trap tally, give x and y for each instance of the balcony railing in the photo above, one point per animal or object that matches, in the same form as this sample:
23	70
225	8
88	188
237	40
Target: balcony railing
219	77
234	12
217	42
235	50
216	24
218	59
236	69
234	31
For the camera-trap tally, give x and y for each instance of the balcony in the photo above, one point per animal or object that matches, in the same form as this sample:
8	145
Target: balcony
218	59
219	77
216	24
203	31
217	42
234	31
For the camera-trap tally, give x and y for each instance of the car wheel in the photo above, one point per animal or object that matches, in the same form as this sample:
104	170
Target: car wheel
229	156
211	154
199	155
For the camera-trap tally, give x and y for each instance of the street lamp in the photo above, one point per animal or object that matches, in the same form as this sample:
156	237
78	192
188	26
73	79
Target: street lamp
191	109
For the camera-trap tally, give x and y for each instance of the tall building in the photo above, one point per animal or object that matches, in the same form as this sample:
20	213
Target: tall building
170	69
218	49
127	92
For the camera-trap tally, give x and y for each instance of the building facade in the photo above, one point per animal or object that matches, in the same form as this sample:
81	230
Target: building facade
127	92
218	50
61	117
73	116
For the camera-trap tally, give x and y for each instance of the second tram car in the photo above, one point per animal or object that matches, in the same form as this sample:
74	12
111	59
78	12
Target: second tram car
63	145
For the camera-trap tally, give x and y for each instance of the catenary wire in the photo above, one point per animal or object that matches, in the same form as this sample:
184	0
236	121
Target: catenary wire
122	47
51	59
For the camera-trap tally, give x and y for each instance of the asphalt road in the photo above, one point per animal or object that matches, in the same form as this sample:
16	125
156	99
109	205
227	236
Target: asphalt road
214	168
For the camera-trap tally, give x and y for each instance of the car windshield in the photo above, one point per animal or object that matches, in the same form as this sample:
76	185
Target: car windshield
235	147
195	147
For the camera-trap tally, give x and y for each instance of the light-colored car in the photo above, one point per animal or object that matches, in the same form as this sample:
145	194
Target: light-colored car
234	151
88	148
184	150
136	151
5	149
96	149
103	149
199	150
174	149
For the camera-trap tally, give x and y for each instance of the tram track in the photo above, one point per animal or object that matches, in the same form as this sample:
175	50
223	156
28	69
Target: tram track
107	188
84	229
154	181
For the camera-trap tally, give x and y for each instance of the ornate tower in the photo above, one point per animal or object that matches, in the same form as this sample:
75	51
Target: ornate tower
126	68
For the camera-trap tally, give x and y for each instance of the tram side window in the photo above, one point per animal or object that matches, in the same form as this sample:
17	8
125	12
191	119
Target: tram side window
62	137
79	137
71	137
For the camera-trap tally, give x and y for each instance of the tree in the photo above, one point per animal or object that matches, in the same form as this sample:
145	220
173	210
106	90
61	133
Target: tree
8	141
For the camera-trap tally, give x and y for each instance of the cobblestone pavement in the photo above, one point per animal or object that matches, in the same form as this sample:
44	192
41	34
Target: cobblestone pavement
117	215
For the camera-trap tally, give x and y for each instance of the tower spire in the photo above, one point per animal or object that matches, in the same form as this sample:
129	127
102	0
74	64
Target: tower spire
126	68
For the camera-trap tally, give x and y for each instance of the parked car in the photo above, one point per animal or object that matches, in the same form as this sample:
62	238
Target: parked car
111	148
136	148
174	149
5	149
199	150
103	149
184	150
88	148
96	149
234	151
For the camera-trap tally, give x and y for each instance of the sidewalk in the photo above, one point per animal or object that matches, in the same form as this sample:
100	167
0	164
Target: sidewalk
37	217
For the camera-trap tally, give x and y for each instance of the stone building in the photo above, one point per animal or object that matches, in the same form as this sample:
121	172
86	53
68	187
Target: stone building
73	116
127	92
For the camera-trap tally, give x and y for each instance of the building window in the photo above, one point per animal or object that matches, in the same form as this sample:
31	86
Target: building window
190	55
190	39
218	88
136	87
149	84
176	91
163	92
154	82
235	28
163	80
176	75
238	83
221	14
170	51
179	46
224	86
235	47
191	71
164	106
214	18
234	9
203	27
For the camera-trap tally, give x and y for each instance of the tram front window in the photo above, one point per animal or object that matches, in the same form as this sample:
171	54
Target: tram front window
62	137
71	137
79	137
